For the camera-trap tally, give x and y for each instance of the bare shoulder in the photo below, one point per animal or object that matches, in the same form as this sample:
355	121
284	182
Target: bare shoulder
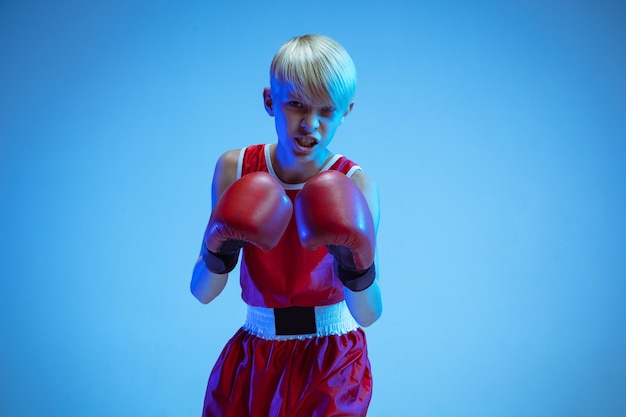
363	180
369	188
225	173
228	160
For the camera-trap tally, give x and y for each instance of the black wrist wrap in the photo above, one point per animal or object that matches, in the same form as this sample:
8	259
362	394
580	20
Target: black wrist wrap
356	280
220	263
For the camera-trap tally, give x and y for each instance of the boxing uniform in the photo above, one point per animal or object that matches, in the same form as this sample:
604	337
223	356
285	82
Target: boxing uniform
300	352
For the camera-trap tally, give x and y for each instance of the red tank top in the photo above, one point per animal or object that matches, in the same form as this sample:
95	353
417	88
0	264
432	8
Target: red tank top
288	275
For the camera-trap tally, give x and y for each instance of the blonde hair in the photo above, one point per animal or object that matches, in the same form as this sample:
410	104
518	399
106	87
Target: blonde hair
319	69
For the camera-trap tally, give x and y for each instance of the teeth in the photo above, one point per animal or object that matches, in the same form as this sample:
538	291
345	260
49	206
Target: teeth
308	142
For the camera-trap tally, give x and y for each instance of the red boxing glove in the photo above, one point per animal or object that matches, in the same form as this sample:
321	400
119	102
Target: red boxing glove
254	209
332	211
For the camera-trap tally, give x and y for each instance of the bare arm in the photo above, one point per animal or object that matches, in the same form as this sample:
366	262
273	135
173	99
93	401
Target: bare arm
366	306
206	285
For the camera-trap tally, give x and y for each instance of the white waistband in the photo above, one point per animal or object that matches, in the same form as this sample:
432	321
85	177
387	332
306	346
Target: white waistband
334	319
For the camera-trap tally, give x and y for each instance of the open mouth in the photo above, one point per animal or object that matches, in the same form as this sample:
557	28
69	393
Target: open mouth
306	141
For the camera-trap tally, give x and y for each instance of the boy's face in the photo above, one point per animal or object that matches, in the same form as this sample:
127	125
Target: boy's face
304	129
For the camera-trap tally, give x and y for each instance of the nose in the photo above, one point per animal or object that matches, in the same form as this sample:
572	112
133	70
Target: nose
310	122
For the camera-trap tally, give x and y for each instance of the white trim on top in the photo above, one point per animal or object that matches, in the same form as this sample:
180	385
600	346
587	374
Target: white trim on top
242	152
270	167
327	165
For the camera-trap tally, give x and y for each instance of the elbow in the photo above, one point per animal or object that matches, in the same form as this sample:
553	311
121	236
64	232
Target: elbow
203	300
206	286
200	296
366	320
366	306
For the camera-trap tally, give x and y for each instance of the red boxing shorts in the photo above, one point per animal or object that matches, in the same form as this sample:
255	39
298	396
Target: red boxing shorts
261	374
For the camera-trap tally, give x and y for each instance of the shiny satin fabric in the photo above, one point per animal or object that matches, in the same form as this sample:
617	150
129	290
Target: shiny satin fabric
315	377
288	275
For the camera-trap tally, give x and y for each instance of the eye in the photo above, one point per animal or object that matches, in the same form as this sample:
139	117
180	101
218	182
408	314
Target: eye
327	110
295	104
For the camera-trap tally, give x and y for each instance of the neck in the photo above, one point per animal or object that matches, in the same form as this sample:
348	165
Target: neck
292	170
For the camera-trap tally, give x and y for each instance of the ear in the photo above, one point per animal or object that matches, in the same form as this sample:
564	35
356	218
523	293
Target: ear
267	101
347	112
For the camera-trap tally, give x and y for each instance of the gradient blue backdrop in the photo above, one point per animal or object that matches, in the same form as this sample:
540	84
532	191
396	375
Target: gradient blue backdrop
496	131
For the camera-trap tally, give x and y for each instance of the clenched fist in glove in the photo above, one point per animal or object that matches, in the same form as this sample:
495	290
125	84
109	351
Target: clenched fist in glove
254	209
331	210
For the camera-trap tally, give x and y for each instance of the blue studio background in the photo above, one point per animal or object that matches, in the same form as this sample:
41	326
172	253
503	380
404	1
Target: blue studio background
497	134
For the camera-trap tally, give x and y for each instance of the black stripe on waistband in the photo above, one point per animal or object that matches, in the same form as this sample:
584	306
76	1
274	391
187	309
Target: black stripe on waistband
295	321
